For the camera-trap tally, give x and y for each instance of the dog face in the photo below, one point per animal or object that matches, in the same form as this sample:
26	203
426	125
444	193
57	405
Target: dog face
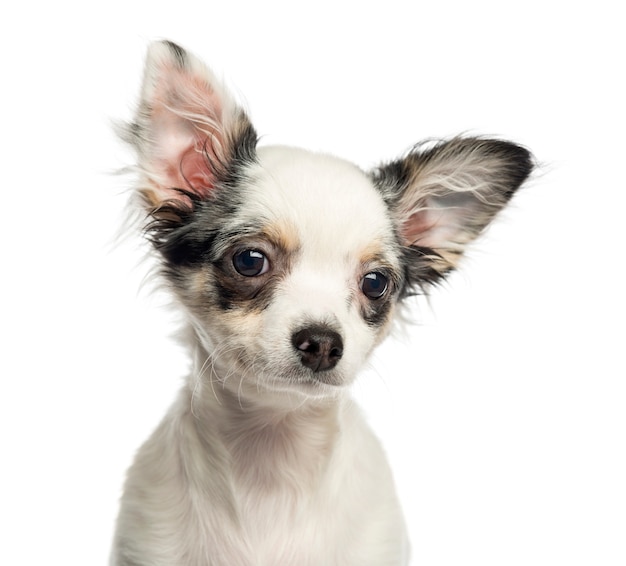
295	279
289	263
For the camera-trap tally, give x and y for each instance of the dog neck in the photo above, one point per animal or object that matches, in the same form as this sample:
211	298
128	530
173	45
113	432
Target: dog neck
275	441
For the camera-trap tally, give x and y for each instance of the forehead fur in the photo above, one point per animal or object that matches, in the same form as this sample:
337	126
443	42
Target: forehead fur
324	202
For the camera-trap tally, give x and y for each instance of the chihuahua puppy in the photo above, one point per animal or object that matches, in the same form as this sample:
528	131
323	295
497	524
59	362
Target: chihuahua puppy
289	267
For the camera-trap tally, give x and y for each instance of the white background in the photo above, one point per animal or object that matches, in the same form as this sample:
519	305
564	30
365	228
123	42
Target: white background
503	412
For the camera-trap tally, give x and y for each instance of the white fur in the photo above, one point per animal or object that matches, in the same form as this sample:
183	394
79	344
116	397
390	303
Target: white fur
248	468
326	498
264	460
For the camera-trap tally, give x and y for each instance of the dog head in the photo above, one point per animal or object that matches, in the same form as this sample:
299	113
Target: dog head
289	263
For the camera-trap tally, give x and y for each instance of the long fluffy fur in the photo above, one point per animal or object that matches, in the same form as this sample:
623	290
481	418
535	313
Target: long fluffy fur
289	267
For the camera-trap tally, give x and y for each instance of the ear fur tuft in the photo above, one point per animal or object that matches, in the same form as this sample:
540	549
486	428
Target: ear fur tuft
189	133
443	195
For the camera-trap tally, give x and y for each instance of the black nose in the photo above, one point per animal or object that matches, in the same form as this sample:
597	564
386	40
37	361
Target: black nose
319	347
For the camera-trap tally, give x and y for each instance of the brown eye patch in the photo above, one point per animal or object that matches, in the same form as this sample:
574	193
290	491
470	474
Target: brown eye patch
247	273
378	287
376	301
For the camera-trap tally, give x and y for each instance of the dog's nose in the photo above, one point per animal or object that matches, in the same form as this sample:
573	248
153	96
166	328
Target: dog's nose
319	347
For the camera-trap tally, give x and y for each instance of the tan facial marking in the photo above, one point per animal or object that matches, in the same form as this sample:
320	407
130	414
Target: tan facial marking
283	235
371	254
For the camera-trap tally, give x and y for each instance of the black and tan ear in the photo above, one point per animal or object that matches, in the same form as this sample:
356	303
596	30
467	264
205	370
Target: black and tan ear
444	195
189	133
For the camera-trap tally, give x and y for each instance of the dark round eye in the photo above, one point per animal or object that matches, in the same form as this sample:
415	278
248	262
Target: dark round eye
374	285
250	263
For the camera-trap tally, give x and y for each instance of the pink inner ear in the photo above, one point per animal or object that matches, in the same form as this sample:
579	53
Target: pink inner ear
181	162
194	174
185	127
433	227
417	227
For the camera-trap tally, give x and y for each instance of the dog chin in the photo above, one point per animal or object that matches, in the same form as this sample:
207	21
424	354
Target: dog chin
305	384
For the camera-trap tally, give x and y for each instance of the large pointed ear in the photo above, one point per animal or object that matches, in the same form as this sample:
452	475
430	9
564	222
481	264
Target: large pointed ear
443	196
189	132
